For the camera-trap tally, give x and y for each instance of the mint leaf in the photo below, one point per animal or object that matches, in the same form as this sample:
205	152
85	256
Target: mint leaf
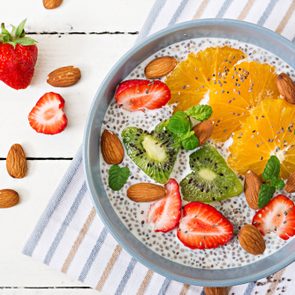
118	177
265	194
179	123
199	112
190	142
277	183
272	169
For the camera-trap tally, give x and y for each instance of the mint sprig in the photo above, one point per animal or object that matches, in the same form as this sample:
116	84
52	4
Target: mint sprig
200	112
180	126
118	176
265	194
271	177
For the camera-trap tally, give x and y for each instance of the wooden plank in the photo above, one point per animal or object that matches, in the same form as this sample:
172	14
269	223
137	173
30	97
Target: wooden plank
76	15
94	55
56	291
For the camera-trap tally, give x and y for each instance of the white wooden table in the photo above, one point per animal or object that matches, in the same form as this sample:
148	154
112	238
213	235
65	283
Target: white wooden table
90	34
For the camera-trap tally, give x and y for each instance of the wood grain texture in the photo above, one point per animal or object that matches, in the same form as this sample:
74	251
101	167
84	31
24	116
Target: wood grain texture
65	37
94	55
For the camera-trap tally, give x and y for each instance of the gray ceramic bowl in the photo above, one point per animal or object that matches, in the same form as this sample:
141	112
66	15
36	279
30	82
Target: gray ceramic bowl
223	28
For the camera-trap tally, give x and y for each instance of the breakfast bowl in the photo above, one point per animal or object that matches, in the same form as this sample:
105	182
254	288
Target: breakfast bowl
165	255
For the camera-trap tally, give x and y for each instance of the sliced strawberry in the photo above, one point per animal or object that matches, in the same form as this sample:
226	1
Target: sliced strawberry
203	227
164	214
135	95
277	216
47	116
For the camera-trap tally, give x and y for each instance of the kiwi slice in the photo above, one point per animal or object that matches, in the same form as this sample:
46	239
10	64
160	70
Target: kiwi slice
154	153
211	178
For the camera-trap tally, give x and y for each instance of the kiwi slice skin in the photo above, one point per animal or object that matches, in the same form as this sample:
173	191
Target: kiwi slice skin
211	178
158	161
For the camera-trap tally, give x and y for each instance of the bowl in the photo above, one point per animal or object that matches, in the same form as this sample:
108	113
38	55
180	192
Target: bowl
222	28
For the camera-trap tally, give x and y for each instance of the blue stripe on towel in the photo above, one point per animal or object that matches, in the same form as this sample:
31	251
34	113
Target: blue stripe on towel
224	8
164	287
267	12
126	277
69	217
53	204
93	254
177	12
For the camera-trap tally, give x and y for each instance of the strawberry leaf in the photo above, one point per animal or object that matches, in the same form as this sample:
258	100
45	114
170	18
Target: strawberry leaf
118	176
20	29
25	41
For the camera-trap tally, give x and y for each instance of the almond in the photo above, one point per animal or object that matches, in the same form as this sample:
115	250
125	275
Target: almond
216	290
51	4
8	198
111	148
290	184
203	130
160	67
16	162
64	76
286	87
145	192
251	240
251	189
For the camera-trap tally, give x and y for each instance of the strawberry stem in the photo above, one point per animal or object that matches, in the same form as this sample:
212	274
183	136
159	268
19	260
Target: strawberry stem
17	35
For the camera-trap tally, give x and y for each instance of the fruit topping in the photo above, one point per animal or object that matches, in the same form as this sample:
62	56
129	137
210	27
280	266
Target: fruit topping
241	90
111	148
164	214
18	56
138	95
47	116
277	216
266	132
286	87
290	184
251	189
203	227
154	153
146	192
160	67
203	131
199	73
211	178
251	239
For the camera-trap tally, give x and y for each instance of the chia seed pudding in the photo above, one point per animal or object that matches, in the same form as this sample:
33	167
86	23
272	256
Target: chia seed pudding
133	215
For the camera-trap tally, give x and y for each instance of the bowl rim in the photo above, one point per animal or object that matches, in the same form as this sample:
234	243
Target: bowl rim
89	174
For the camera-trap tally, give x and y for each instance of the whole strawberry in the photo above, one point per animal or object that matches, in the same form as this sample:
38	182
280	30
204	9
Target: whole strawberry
18	56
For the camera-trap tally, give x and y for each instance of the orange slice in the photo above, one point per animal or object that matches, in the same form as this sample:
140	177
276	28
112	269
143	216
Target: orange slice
200	72
269	130
245	85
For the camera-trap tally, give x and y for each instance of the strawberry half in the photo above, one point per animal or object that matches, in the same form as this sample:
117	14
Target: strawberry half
47	116
277	216
135	95
203	227
164	214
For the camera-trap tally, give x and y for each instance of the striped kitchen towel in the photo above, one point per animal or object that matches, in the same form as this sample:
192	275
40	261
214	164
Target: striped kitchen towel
71	238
